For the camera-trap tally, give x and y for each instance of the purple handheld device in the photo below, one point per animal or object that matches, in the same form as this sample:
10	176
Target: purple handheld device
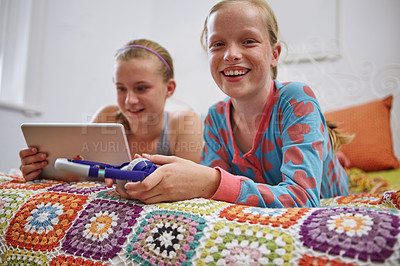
137	170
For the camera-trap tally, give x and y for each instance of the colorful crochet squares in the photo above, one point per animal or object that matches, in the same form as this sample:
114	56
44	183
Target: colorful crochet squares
79	187
33	185
112	195
275	217
166	238
101	229
201	207
42	221
307	260
85	223
67	260
235	244
391	199
360	199
10	201
364	234
23	257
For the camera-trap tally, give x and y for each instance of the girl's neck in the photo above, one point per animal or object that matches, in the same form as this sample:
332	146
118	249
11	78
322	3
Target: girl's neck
245	119
250	109
149	131
145	139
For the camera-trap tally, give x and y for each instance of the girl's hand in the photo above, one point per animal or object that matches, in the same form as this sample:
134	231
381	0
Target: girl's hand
110	181
32	163
175	179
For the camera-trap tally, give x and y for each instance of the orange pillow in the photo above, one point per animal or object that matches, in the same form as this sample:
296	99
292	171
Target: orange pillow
372	146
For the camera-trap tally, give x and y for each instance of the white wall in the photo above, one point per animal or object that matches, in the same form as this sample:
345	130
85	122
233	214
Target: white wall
69	74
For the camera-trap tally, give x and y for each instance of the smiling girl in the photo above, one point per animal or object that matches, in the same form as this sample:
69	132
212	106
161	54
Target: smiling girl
144	80
267	144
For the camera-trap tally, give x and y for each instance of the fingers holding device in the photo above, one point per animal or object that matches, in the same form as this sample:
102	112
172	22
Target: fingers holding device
136	170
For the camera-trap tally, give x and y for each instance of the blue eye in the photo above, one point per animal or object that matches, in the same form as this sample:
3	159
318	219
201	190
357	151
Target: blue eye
216	45
142	88
249	42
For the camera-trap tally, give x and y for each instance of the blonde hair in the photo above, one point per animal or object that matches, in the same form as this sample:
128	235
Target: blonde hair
126	53
336	137
266	13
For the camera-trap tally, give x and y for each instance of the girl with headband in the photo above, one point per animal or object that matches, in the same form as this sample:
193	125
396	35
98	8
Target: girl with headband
144	80
267	144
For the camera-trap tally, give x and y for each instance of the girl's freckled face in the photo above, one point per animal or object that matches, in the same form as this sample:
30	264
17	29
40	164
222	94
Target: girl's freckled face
239	50
141	90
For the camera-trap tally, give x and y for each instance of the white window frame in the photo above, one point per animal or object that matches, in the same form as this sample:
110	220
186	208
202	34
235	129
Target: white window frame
21	25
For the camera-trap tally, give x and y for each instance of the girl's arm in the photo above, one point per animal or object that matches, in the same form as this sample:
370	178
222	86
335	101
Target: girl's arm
300	185
179	179
175	179
300	176
301	166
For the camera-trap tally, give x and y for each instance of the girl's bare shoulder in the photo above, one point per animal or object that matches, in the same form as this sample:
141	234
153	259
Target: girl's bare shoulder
183	120
186	135
177	117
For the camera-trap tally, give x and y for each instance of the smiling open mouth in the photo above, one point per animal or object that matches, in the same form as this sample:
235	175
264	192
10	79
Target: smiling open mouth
234	73
135	111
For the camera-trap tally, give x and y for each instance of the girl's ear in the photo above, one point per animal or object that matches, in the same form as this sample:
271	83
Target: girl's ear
171	85
276	51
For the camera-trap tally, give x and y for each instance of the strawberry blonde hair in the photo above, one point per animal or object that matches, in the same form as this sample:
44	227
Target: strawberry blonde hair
336	137
266	13
129	51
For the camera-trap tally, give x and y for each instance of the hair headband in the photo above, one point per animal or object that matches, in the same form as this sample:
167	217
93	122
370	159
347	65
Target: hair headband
151	51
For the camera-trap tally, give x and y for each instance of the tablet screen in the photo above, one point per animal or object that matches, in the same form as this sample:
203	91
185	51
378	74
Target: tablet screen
98	142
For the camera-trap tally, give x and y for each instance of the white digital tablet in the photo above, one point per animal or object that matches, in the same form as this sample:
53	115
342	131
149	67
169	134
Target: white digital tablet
98	142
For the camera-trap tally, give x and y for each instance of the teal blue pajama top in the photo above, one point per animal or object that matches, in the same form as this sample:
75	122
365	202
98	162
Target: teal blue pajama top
291	163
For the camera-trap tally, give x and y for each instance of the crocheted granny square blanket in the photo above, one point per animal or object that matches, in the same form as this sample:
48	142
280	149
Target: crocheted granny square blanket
85	223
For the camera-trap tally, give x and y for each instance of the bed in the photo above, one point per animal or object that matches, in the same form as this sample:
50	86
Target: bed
49	222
